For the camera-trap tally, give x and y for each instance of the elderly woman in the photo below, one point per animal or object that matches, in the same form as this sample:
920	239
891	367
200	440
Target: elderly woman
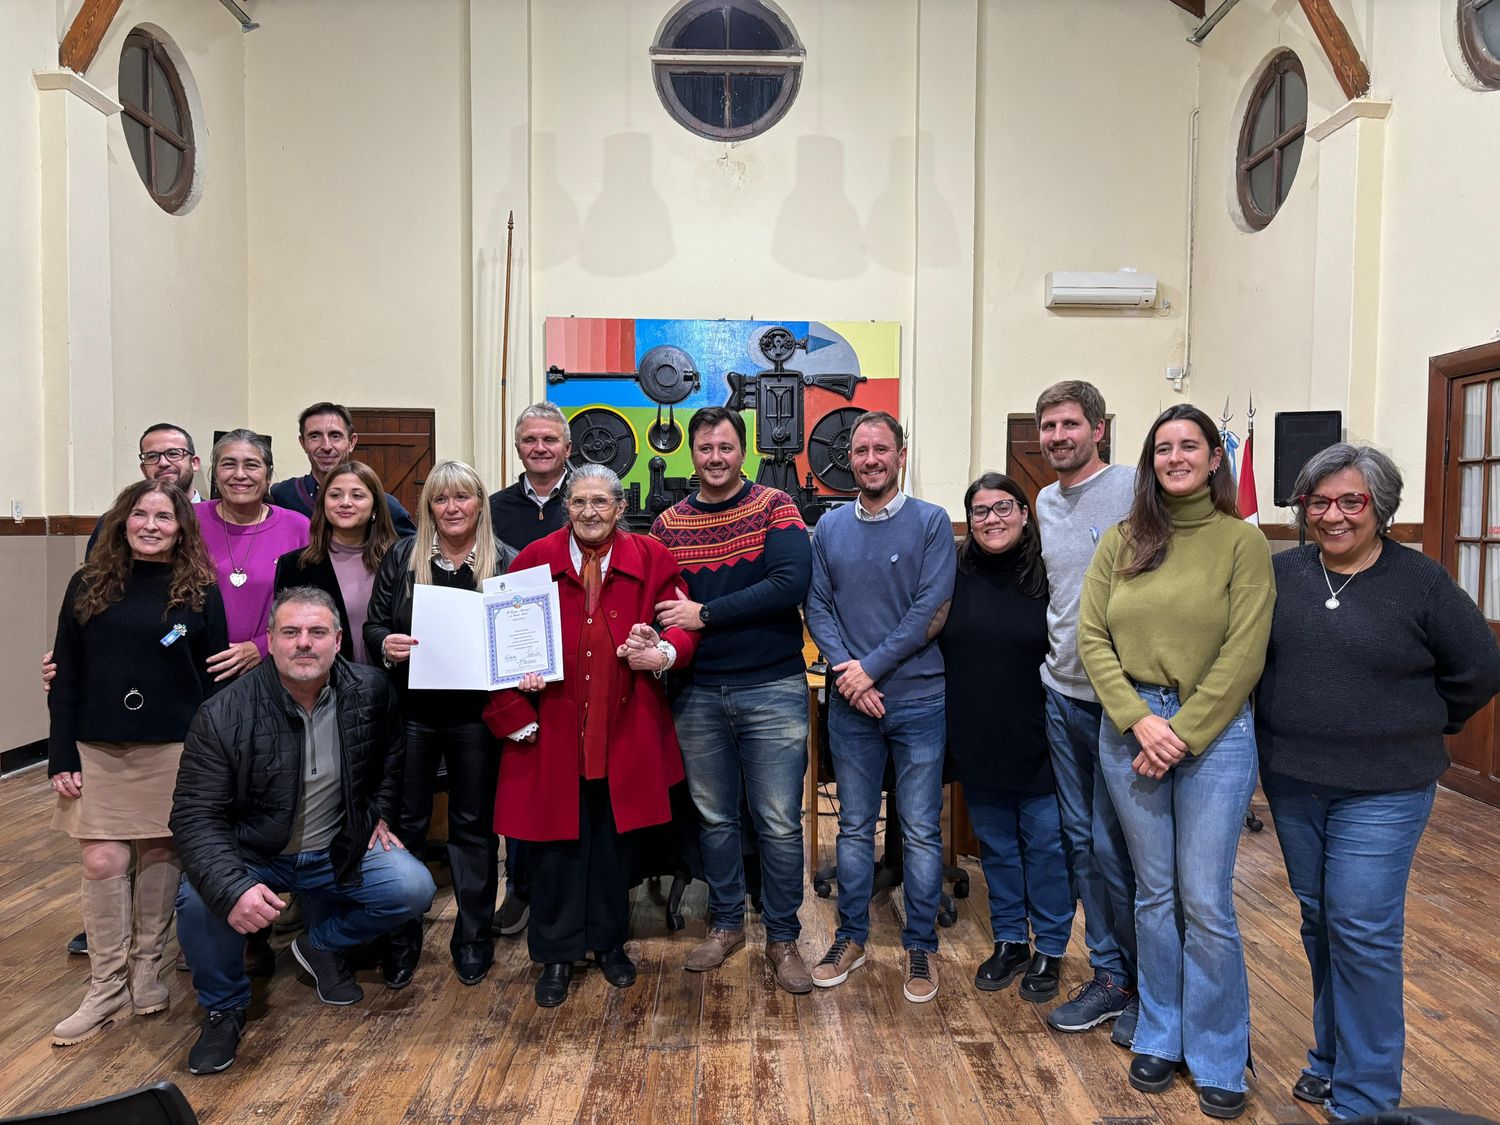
590	758
1375	654
453	546
1172	631
351	532
139	624
245	535
993	646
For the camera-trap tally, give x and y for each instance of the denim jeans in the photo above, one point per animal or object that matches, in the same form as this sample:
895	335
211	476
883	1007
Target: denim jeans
913	733
1348	856
1020	846
1098	861
748	742
1195	995
395	888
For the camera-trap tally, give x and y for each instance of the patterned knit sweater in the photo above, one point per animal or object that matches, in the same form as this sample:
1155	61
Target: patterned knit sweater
748	561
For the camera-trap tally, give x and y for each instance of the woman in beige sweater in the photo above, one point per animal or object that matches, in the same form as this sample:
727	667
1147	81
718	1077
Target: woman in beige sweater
1175	615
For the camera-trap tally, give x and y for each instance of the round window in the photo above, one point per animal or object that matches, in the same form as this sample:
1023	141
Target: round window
1271	139
158	127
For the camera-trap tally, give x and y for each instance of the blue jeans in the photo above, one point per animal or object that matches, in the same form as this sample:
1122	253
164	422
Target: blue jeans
1195	995
395	888
1098	860
913	732
1020	846
748	742
1348	856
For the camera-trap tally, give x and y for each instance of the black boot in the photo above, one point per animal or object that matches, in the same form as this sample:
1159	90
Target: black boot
1040	981
1221	1103
552	988
1003	966
1151	1074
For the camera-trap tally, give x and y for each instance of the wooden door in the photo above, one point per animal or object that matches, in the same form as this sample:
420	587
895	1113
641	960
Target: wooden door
1024	462
1461	525
398	445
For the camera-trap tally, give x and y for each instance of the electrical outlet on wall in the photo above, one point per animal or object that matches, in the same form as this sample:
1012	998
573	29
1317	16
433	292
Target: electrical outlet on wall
15	510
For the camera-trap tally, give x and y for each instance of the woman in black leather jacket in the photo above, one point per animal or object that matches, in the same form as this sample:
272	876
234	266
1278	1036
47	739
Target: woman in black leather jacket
454	546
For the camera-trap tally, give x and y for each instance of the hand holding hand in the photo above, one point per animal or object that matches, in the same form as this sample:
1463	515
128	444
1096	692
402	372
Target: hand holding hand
257	908
1161	748
853	680
680	612
871	703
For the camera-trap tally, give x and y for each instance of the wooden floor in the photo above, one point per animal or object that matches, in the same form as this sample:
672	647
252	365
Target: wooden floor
728	1046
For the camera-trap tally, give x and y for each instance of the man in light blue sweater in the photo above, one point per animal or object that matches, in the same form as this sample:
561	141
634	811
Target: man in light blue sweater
1088	499
883	570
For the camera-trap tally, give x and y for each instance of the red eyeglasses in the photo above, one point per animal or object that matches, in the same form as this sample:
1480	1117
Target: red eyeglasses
1350	503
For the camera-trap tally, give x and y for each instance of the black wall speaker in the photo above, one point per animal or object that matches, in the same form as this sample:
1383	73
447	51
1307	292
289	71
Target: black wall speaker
1300	434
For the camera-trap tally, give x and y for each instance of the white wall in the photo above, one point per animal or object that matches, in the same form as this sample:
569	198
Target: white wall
358	257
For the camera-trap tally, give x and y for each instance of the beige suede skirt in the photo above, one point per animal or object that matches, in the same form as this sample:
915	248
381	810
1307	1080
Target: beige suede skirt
127	791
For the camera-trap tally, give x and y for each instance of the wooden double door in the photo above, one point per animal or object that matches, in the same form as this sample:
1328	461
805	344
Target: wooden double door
1461	525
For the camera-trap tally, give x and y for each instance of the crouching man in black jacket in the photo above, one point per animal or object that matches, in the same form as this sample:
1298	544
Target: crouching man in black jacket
289	780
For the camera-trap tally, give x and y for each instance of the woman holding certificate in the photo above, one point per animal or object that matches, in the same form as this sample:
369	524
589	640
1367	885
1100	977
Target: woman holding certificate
454	547
590	758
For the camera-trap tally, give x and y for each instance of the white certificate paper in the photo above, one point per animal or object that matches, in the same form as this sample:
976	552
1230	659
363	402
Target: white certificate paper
474	641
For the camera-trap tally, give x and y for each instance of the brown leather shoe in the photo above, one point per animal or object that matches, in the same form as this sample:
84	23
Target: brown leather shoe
791	973
712	950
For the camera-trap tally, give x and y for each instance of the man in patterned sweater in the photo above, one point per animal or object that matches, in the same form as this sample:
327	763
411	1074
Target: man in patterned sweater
742	717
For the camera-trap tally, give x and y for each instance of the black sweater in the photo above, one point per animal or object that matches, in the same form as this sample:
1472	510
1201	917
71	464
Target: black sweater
120	650
1359	697
993	647
518	522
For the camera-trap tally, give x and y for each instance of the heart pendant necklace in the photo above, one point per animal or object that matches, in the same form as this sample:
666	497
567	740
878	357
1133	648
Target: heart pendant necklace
237	575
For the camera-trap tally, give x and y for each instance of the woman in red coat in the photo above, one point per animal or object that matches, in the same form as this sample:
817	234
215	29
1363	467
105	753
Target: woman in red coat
589	759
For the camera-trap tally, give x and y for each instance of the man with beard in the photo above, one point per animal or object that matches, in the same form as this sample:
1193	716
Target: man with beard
883	571
1088	498
325	430
742	713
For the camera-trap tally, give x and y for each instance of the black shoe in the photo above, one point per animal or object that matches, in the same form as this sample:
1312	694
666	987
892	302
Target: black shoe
552	988
1311	1088
214	1051
1151	1074
472	962
1123	1034
79	945
1004	965
396	974
329	973
618	968
1040	981
513	915
1221	1103
260	958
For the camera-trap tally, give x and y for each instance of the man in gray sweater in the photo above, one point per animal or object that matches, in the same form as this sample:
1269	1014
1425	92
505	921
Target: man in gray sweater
883	570
1088	499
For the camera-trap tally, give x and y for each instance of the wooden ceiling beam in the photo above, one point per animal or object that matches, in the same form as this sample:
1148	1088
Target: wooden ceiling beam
1194	7
1343	55
81	43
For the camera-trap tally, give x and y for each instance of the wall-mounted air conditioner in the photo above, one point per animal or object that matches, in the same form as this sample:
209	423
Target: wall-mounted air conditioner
1111	290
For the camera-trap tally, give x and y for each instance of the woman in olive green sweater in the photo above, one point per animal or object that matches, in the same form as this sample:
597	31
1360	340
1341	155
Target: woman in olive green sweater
1175	615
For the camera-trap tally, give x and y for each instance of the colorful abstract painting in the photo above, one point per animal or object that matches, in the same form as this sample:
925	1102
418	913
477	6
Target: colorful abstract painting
629	387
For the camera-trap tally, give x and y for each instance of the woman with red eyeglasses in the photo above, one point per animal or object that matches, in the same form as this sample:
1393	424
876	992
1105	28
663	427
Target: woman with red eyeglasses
1375	654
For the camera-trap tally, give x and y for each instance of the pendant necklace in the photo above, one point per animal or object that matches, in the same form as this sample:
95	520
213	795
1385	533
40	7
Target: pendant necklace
237	575
1333	595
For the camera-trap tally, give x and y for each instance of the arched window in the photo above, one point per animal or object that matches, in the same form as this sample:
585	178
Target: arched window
1479	39
158	127
1271	139
727	69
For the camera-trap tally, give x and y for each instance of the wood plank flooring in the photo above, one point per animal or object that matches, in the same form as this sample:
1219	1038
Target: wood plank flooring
729	1046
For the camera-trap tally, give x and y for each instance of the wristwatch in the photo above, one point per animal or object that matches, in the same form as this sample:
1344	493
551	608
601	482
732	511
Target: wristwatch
703	614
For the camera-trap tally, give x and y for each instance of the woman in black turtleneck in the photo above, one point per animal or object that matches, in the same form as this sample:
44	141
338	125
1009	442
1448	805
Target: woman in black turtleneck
138	626
993	646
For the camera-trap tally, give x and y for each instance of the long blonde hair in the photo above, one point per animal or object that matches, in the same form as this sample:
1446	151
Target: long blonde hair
448	476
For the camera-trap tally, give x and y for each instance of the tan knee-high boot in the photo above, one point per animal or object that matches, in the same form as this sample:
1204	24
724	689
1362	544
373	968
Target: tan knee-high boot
106	918
155	893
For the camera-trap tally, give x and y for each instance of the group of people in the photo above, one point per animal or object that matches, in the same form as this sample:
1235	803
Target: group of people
232	719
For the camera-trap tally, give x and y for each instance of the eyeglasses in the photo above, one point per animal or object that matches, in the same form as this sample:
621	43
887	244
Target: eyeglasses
172	455
981	512
1350	503
591	503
